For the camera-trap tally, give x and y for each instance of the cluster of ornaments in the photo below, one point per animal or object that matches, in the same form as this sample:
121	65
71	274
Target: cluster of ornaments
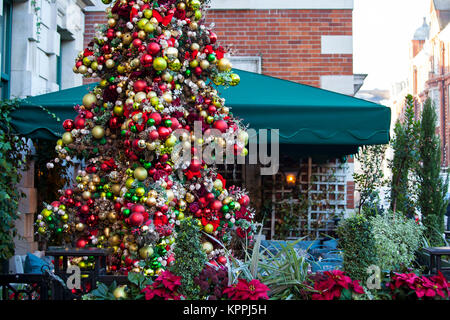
156	61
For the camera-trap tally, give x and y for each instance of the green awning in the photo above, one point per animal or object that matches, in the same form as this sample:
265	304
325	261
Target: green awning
304	115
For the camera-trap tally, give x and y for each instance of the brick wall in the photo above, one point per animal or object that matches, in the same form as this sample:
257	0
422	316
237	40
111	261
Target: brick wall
90	19
289	41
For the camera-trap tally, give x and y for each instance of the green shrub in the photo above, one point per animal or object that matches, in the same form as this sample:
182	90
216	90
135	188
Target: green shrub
190	258
397	239
357	242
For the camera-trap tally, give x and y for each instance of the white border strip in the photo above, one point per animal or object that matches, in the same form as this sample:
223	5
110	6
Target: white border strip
281	4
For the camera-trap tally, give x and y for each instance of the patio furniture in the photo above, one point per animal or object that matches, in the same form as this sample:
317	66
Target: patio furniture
436	254
92	276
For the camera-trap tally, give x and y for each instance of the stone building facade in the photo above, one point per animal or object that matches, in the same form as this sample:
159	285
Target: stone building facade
39	41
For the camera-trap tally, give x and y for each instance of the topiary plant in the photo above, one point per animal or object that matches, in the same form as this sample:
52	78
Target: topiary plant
357	242
190	258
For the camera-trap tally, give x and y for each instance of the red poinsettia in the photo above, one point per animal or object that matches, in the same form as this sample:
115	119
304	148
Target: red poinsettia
165	287
332	284
243	290
404	284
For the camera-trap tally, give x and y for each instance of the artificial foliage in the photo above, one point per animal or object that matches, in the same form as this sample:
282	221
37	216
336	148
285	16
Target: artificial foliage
358	244
150	133
190	257
13	154
432	187
404	145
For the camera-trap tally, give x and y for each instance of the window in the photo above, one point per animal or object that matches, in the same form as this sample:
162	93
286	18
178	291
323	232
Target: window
435	97
247	63
5	47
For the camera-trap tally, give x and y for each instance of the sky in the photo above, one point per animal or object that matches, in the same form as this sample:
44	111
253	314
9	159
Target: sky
382	31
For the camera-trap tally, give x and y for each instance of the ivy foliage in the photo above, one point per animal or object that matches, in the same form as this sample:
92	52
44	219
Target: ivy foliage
190	258
358	243
13	153
404	145
432	187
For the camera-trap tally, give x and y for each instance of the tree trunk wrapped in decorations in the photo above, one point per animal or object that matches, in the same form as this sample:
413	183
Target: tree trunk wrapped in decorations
143	132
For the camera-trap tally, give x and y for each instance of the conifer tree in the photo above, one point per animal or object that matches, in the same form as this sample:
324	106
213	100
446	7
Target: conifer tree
432	187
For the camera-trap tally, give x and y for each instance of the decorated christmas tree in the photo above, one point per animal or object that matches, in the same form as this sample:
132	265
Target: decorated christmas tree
142	133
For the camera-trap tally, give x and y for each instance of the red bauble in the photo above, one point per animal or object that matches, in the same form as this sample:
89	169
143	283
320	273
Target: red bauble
137	43
140	85
164	208
138	208
136	219
212	37
175	124
101	60
79	63
163	132
198	71
216	205
222	260
68	125
156	117
84	209
146	60
117	206
88	114
153	48
212	109
195	165
210	196
244	200
68	192
114	123
164	158
221	125
79	122
81	243
106	48
153	135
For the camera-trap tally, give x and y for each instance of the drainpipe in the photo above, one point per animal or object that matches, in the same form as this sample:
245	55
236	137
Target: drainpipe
444	114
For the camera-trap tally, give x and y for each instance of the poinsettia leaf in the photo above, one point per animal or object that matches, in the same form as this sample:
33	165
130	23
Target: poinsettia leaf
346	294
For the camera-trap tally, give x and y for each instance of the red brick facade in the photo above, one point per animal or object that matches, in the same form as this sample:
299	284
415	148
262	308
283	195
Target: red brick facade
288	41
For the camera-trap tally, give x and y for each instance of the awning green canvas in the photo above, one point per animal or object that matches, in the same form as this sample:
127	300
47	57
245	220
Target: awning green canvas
304	115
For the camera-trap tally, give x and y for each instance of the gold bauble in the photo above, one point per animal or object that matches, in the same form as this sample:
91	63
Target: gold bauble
112	216
204	64
67	138
133	247
110	63
190	197
107	232
82	69
208	247
151	201
171	53
115	188
111	22
127	38
80	227
140	173
170	195
102	215
86	195
182	204
98	132
140	96
95	179
114	240
146	252
224	64
119	292
89	100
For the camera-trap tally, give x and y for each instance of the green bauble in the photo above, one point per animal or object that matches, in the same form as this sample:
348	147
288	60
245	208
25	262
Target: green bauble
159	64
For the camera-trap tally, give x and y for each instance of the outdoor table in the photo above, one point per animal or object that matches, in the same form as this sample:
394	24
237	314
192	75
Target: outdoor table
66	252
435	257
